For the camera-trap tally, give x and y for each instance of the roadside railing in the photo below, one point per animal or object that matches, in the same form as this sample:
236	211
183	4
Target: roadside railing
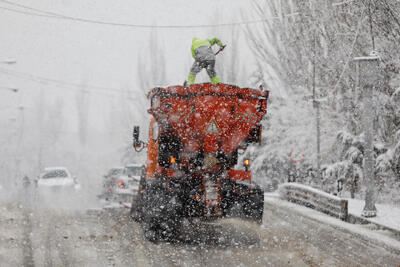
314	198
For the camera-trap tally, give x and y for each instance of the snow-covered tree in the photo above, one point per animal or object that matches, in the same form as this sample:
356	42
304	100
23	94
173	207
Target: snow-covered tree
304	39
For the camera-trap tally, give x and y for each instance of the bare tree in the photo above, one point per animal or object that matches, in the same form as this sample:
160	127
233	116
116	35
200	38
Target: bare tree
151	72
313	42
82	106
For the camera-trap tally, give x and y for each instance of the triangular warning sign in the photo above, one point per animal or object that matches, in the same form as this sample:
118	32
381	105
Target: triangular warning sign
212	127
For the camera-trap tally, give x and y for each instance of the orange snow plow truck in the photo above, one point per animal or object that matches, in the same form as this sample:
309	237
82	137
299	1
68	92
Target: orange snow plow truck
195	135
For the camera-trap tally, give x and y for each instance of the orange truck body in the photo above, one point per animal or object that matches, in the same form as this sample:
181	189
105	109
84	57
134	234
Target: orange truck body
212	118
194	137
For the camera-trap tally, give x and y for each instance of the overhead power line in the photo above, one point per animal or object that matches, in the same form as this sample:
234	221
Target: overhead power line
31	8
45	79
87	88
24	12
54	15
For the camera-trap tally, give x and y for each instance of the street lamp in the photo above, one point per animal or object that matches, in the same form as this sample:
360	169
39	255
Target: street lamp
368	77
9	62
15	90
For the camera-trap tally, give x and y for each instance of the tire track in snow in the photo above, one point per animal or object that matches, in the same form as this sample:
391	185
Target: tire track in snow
27	248
127	233
106	247
48	258
56	244
63	249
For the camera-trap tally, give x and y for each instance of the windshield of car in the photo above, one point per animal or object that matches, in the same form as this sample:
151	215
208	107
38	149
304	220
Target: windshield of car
134	171
116	171
55	174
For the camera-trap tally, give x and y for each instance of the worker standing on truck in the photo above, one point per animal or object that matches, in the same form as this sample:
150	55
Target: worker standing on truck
204	57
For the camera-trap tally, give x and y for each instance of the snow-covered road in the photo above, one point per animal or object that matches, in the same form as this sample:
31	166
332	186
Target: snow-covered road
49	237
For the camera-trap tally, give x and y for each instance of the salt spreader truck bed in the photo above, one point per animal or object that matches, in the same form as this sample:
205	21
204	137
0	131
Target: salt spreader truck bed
194	136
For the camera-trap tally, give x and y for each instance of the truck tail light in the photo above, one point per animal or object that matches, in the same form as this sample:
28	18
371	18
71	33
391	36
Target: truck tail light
246	163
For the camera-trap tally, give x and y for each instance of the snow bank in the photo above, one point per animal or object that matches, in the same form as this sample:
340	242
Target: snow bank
384	237
387	215
314	198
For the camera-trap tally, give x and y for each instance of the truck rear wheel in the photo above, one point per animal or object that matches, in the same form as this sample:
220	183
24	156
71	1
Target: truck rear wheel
156	229
161	220
254	207
151	230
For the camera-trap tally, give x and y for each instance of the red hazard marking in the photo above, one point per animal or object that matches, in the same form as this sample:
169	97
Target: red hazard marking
213	127
296	156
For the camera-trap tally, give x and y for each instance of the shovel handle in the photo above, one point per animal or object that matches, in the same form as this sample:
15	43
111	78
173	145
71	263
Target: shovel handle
220	49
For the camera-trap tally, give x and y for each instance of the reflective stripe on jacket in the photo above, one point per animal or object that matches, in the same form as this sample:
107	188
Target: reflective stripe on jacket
196	43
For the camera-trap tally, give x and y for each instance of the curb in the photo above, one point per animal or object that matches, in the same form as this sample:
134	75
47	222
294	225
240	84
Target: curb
315	199
349	218
355	219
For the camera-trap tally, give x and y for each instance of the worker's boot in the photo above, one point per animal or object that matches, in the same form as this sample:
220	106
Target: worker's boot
191	79
215	80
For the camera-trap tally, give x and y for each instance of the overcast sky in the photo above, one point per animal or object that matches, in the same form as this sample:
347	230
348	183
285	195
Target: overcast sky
101	55
98	55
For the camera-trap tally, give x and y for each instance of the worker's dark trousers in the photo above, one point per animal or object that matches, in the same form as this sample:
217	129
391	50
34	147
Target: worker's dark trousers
209	65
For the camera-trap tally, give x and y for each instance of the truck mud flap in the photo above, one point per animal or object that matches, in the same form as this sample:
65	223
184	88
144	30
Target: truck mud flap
161	219
136	211
250	206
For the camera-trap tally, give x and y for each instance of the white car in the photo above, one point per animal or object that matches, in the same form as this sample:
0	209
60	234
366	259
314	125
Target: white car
57	177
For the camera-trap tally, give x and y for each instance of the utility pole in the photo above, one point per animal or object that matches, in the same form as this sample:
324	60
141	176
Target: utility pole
368	68
18	154
316	104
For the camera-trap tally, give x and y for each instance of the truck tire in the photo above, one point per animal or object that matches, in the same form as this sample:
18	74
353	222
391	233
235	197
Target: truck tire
157	229
150	229
254	207
227	197
161	220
